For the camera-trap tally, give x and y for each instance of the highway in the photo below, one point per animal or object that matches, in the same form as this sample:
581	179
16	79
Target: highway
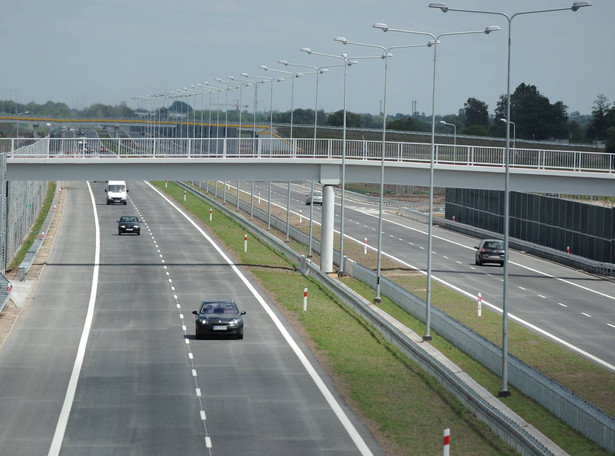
571	307
103	359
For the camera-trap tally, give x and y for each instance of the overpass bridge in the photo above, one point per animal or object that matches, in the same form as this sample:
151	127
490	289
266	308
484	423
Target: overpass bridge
324	160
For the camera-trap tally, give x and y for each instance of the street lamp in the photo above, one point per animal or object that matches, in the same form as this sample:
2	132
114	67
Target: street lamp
292	93
433	43
385	56
514	131
227	88
504	392
292	109
347	63
454	133
317	71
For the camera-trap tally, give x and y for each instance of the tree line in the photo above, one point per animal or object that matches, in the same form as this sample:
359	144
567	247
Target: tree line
532	116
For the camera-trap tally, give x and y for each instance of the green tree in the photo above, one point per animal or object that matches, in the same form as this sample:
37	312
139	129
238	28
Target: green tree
533	115
475	112
597	128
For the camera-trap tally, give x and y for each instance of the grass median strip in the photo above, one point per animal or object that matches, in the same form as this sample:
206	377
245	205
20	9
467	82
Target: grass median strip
405	408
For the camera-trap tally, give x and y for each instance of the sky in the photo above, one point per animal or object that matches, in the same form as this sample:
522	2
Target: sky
112	51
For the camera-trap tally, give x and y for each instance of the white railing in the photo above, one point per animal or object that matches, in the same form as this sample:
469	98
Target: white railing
445	154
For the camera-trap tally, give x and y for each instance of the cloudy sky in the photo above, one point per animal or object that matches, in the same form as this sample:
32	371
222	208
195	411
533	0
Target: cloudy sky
82	52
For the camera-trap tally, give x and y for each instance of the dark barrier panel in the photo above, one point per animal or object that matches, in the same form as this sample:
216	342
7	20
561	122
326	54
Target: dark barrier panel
560	224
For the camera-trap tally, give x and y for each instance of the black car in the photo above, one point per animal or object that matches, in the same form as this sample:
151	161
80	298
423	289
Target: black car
219	317
490	251
128	224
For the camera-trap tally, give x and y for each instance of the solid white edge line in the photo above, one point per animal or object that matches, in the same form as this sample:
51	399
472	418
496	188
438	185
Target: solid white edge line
58	436
337	409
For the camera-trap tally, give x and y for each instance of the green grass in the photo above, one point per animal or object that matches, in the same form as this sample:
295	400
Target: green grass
406	408
36	228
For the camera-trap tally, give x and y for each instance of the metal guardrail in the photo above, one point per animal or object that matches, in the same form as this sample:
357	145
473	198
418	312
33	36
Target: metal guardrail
572	409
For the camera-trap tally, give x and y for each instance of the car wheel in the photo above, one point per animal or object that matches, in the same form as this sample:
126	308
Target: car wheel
240	336
478	262
119	233
107	203
125	203
502	264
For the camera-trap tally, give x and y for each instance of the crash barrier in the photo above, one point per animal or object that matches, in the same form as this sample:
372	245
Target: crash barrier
569	407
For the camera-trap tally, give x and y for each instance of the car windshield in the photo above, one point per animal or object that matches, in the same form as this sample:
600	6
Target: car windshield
219	308
494	245
129	219
116	188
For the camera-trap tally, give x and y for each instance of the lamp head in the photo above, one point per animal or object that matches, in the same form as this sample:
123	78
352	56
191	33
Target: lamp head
219	79
381	26
341	39
264	67
283	62
323	70
352	62
577	5
432	43
492	28
245	75
443	122
442	6
308	50
502	120
231	78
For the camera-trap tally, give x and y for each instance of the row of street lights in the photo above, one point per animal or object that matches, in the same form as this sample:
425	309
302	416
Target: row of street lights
434	42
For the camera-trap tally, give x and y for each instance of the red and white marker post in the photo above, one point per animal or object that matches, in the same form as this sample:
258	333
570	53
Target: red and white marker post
245	242
480	304
365	247
304	299
300	216
446	450
211	212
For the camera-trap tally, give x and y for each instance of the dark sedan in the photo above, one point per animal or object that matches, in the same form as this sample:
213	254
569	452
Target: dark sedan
129	224
490	251
219	317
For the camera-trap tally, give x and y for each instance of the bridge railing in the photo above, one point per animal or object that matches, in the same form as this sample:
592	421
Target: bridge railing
272	147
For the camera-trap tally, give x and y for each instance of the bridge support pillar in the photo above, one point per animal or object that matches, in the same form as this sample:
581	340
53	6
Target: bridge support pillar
116	131
328	217
35	130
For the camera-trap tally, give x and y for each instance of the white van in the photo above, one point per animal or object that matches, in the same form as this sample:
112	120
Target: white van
117	192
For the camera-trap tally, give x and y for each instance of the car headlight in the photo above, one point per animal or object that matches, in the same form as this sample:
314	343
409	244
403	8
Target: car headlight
203	321
122	226
234	322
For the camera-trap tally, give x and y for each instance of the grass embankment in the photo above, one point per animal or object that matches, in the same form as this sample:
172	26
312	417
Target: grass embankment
38	224
406	408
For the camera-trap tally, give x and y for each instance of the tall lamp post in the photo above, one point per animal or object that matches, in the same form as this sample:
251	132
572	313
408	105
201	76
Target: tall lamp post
292	109
514	136
454	133
385	56
433	43
504	392
292	92
347	63
317	71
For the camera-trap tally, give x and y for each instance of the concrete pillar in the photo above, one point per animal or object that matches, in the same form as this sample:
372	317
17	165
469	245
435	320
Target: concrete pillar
35	130
328	217
116	131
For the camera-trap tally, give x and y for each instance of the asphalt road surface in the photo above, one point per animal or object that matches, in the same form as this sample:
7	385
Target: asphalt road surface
570	307
103	359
